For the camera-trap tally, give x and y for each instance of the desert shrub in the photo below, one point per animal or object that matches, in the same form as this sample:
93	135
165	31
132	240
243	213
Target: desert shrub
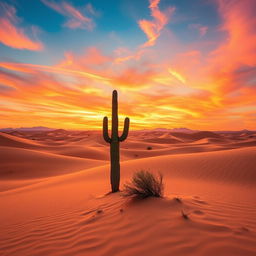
144	184
184	215
149	148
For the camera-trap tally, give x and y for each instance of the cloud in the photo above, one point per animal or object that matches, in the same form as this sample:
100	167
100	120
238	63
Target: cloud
33	68
75	18
177	75
13	36
202	30
133	78
205	84
152	28
238	49
47	94
239	22
92	57
90	9
123	54
5	88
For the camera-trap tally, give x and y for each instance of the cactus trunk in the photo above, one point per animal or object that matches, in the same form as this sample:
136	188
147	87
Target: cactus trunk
114	142
115	166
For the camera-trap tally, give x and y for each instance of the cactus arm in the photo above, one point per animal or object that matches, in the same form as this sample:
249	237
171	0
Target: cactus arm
126	129
105	130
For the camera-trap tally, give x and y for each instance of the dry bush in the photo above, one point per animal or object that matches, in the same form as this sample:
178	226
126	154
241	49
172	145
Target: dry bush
144	184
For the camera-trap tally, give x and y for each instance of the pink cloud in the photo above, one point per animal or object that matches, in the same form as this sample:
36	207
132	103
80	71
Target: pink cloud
75	18
92	59
202	30
13	36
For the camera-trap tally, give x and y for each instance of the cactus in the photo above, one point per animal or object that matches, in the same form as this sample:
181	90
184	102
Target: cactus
114	142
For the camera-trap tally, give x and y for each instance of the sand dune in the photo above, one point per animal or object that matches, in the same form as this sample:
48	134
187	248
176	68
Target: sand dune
82	152
231	166
56	204
31	164
196	135
14	141
163	140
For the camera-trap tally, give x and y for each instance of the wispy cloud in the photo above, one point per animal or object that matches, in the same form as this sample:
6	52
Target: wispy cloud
177	75
202	30
152	28
91	58
11	34
75	18
238	49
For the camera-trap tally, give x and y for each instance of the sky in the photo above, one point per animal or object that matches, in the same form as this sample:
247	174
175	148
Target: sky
174	63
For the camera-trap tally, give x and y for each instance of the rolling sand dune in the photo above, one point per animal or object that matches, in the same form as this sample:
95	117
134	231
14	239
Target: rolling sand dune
195	136
163	140
53	203
14	141
27	163
83	152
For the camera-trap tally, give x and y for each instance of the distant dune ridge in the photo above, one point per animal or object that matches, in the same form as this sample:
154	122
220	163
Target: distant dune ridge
53	186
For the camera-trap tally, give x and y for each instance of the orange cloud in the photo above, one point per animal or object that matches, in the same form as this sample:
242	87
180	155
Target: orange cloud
153	28
75	18
133	78
13	36
239	22
237	51
45	97
91	58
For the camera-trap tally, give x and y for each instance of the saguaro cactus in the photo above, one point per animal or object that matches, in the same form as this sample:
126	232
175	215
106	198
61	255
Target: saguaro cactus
114	142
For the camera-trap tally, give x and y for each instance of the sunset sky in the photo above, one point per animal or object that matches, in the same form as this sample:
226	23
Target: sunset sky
175	63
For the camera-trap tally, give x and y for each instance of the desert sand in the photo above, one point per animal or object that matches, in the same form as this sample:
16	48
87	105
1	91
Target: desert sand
54	194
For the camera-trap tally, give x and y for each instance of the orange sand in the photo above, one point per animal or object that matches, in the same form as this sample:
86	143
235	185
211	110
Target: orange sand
53	200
